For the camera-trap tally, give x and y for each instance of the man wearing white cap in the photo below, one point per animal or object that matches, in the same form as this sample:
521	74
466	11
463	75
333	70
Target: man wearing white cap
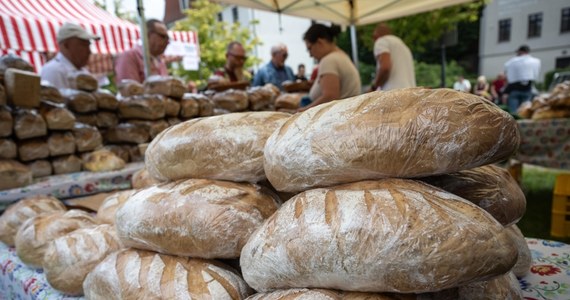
74	51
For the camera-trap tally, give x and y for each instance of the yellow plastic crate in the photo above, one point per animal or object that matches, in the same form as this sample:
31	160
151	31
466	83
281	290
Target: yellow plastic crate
560	226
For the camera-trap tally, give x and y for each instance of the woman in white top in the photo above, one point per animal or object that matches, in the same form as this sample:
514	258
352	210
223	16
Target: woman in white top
337	76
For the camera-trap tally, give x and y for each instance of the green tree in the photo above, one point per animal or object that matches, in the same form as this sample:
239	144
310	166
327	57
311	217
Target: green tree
213	37
128	16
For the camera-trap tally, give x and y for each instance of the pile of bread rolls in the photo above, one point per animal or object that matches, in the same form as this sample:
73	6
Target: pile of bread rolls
550	106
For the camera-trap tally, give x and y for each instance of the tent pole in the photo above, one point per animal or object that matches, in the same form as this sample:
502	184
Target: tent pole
354	45
144	38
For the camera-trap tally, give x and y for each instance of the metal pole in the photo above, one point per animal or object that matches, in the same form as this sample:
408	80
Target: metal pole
144	38
354	45
443	59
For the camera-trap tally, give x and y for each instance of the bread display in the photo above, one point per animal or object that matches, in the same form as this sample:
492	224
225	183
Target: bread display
102	160
146	107
231	100
189	105
29	124
61	143
26	208
87	137
6	121
66	164
69	258
106	119
22	88
171	107
56	116
490	187
226	147
127	133
50	93
408	133
106	100
107	210
79	101
40	168
194	217
33	149
164	85
142	179
409	237
129	87
8	149
136	274
524	261
83	81
13	174
34	235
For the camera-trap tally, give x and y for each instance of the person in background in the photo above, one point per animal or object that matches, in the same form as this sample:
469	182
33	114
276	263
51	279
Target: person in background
462	84
337	76
130	64
482	88
497	87
275	72
301	73
233	70
394	61
74	51
521	71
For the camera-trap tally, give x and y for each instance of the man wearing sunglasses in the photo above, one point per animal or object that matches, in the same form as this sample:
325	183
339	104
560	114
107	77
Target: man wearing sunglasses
275	72
233	69
130	64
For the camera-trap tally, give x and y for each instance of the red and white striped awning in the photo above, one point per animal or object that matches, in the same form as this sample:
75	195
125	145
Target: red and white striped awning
28	28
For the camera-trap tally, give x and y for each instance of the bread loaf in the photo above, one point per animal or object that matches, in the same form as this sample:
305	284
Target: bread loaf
135	153
50	93
288	101
142	179
102	160
33	149
40	168
152	127
87	137
490	187
171	107
34	235
107	210
259	98
107	119
83	81
61	143
129	87
106	100
57	117
120	151
227	147
408	133
137	274
391	235
146	107
79	101
194	217
6	121
13	61
206	107
164	85
231	100
189	106
502	287
2	95
524	261
13	174
69	258
27	208
551	113
88	119
8	149
22	88
127	133
66	164
29	124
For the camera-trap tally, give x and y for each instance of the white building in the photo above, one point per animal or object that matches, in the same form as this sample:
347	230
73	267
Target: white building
543	25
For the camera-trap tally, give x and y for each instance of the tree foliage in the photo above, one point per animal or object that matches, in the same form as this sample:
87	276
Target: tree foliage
213	36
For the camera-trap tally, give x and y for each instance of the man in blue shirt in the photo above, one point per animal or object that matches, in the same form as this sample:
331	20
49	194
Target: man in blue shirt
275	72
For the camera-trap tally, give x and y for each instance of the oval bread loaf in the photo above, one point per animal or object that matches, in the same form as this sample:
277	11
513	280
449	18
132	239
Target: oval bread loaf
138	274
69	258
27	208
226	147
35	234
407	133
490	187
108	209
524	261
194	217
392	235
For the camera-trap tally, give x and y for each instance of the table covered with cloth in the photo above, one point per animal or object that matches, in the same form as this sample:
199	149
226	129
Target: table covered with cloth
547	279
545	142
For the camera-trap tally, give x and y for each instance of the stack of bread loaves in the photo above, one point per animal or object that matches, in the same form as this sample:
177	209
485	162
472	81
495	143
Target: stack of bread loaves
207	209
550	106
364	222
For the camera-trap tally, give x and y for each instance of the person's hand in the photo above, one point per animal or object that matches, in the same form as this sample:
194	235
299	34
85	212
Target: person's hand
504	99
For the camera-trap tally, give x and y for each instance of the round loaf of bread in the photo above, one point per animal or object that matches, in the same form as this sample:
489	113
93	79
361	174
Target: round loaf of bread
138	274
35	234
194	217
392	235
27	208
524	261
490	187
69	258
108	209
407	133
225	147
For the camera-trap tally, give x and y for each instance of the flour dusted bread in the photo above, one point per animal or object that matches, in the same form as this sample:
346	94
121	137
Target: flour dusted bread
35	234
86	137
79	101
402	133
142	179
137	274
102	160
489	187
146	107
61	143
28	124
57	117
231	100
40	168
226	147
129	87
107	210
13	174
106	100
83	81
524	261
391	235
194	217
27	208
69	258
66	164
164	85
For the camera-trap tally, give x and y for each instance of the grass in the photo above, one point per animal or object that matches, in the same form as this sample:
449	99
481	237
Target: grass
538	185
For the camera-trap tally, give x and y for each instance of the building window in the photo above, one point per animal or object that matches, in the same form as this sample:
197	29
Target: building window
565	20
184	5
235	14
504	30
534	25
220	17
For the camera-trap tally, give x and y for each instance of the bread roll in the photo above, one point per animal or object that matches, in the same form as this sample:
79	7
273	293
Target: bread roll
8	149
127	133
171	107
40	168
524	260
83	81
61	143
408	133
142	179
164	85
88	119
137	274
33	149
69	258
6	121
57	117
107	119
27	208
227	147
87	137
231	100
490	187
66	164
392	235
189	106
50	93
194	217
146	107
79	101
13	174
129	87
106	100
29	124
102	160
35	234
107	210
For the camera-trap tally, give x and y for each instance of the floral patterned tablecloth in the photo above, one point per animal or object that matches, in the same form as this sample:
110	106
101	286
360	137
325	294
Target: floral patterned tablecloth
545	143
74	185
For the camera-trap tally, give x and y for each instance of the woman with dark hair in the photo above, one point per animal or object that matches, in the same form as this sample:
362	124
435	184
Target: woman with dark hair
337	77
